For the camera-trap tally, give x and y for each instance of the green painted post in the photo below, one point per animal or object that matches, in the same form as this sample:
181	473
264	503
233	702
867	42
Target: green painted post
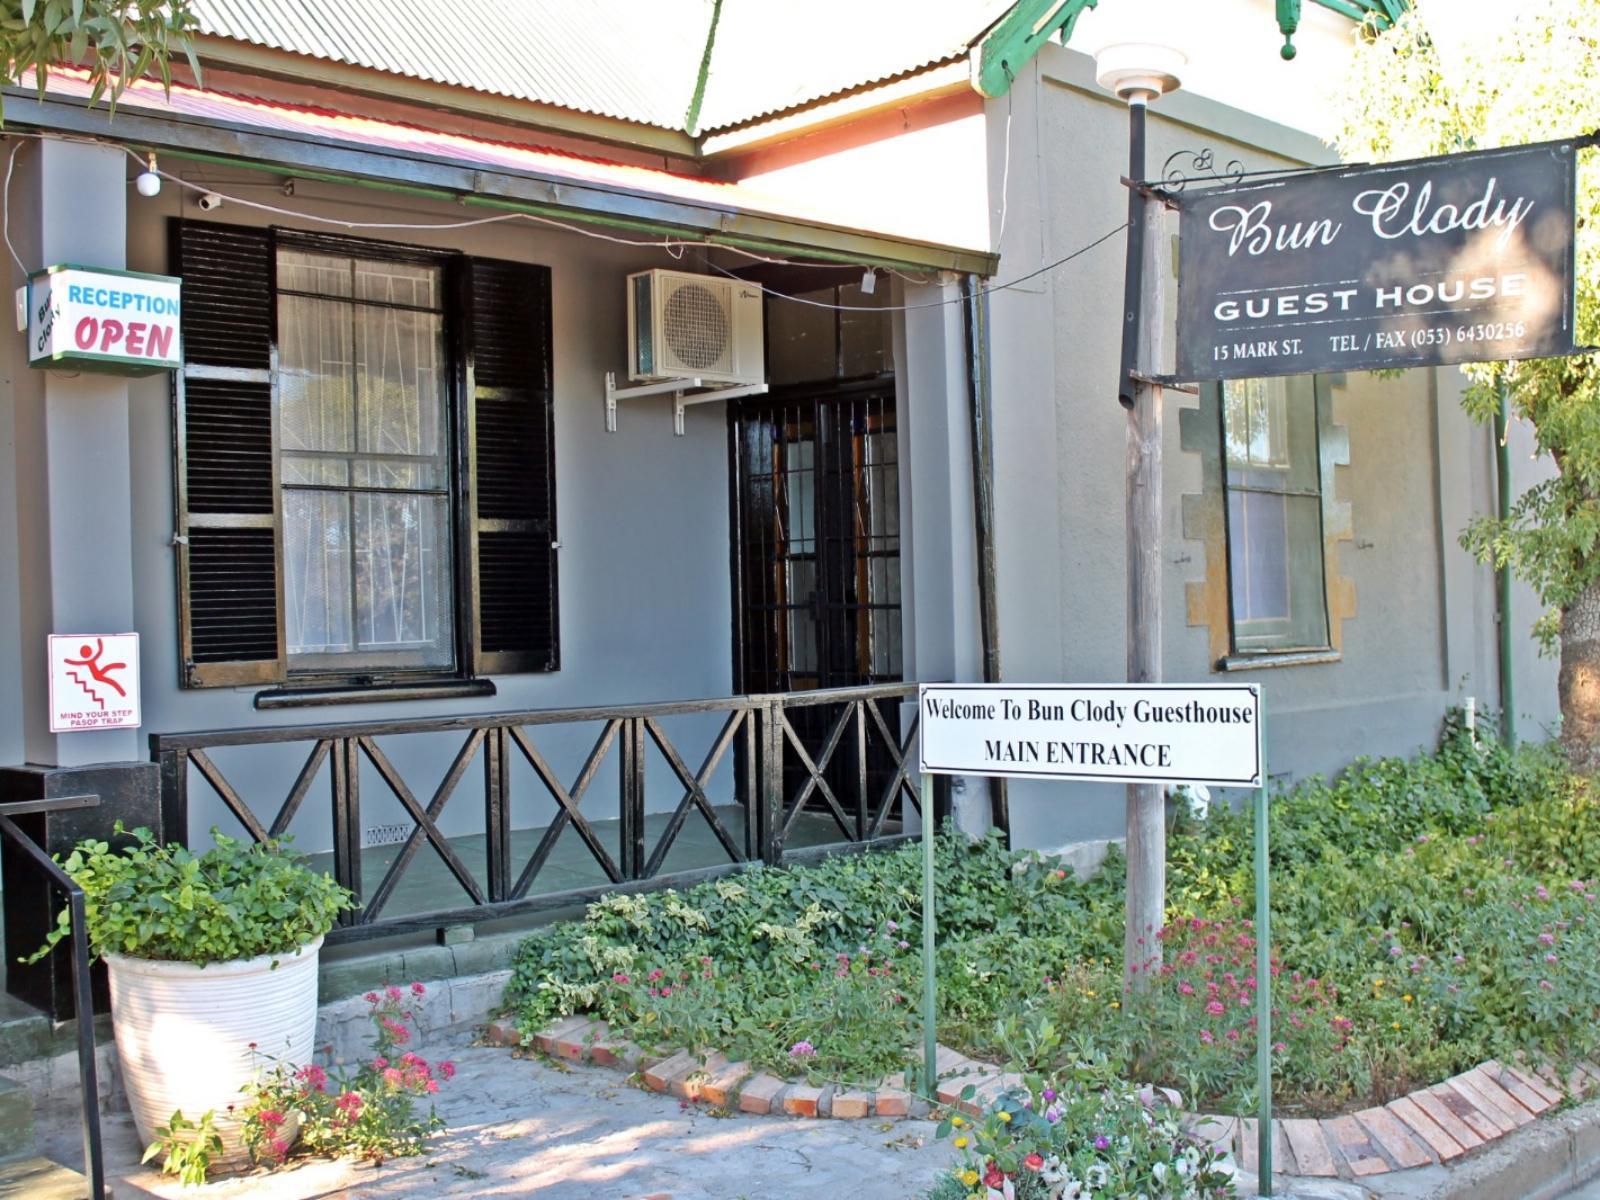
1263	993
930	1037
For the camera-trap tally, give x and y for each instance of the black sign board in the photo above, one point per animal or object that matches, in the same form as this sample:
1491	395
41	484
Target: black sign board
1464	258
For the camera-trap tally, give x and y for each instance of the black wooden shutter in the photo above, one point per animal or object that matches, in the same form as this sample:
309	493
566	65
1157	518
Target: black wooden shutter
511	456
228	524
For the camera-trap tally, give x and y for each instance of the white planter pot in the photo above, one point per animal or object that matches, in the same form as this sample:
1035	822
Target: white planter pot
184	1032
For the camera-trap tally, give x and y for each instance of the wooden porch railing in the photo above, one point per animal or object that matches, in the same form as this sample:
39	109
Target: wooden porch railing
836	754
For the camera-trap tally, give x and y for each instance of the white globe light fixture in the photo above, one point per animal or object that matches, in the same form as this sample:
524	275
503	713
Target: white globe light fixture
149	182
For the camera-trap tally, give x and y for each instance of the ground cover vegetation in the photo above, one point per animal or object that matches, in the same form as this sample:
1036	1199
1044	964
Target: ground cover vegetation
1427	914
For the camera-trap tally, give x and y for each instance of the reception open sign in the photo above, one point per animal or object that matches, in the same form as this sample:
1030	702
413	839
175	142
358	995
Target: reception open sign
1122	733
121	322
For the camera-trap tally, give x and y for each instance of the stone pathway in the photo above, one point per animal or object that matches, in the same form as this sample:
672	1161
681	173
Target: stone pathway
518	1127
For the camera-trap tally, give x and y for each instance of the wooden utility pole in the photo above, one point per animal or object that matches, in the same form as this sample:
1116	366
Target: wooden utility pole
1146	806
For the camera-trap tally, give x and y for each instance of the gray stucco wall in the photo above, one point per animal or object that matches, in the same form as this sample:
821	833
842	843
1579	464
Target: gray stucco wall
1422	638
644	564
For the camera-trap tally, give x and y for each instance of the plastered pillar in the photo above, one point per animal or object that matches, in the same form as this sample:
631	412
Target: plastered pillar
74	500
939	554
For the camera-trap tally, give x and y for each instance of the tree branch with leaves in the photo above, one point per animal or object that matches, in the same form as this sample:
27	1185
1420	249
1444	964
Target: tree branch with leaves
116	41
1537	78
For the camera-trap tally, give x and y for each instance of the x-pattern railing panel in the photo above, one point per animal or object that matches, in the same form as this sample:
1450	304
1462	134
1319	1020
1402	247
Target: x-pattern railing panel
425	823
757	728
567	800
694	795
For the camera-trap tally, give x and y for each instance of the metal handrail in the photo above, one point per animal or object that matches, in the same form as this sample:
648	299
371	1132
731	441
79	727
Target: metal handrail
260	734
82	1000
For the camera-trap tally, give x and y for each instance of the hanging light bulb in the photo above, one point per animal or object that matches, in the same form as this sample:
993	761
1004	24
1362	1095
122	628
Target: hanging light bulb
149	182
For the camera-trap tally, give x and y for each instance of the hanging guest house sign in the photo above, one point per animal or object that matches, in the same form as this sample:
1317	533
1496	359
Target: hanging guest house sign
1464	258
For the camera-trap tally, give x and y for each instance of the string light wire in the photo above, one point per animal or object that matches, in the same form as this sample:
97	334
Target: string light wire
672	246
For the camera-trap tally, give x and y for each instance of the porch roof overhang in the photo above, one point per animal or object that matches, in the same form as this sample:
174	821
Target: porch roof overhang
313	143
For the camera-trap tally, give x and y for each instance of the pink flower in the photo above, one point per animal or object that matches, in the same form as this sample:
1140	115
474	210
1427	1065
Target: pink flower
433	1086
393	1078
619	978
1215	1008
417	989
371	997
1205	1037
313	1076
393	993
350	1104
655	975
802	1049
379	1063
447	1069
1547	939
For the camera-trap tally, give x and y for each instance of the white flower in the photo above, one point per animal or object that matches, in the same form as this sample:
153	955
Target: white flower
1096	1176
1160	1172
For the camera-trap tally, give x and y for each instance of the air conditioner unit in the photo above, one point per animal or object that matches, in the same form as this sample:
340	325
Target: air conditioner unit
686	326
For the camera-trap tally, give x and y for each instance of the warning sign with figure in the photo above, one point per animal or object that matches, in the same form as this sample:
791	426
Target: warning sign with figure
94	681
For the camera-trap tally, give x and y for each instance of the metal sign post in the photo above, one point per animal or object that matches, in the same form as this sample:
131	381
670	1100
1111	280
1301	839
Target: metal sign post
930	1036
1111	733
1263	996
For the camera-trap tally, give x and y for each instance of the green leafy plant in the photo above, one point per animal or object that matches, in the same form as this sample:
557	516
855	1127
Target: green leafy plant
238	900
371	1112
189	1147
1428	913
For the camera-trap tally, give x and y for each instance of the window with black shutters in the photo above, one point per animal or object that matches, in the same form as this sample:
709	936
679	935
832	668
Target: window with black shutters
365	474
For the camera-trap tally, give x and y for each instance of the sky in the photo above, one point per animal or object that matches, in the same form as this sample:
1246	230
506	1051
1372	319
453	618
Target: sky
1235	59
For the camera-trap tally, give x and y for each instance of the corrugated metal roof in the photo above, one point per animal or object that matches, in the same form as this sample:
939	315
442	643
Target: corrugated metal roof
637	60
771	55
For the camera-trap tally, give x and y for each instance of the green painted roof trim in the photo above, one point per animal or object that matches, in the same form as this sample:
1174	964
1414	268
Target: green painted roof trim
1022	32
1387	11
691	120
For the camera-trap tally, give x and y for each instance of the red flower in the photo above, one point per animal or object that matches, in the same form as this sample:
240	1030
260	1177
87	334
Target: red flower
993	1177
417	989
1034	1161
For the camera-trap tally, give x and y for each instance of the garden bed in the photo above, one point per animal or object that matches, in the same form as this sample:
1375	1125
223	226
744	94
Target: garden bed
1429	915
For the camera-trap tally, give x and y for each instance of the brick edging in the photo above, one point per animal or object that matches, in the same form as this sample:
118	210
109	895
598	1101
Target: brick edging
1431	1126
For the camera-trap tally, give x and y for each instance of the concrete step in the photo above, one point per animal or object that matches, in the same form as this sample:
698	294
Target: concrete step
16	1121
40	1179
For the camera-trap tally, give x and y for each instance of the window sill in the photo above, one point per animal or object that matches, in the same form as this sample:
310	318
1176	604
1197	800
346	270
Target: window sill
374	693
1277	658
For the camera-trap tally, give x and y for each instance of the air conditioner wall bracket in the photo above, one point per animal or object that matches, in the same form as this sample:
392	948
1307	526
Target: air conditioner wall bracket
682	396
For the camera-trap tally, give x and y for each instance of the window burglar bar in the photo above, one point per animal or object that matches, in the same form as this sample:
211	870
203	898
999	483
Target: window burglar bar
759	774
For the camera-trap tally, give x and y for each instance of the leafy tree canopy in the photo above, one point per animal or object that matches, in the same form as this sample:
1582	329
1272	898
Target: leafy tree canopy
116	41
1537	79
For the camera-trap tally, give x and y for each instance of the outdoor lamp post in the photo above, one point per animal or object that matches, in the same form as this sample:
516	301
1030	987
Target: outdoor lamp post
1139	72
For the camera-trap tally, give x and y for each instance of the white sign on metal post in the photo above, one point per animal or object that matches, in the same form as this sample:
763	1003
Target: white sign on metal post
1111	733
94	681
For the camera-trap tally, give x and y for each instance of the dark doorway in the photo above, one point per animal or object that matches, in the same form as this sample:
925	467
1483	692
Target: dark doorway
816	520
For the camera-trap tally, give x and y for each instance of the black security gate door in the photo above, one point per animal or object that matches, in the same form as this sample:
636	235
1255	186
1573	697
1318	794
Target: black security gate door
817	553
